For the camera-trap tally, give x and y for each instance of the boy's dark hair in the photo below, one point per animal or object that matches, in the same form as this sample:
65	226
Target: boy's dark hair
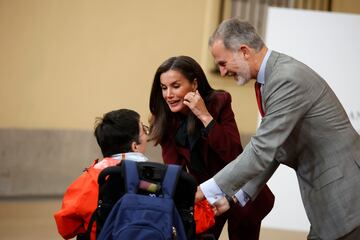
116	130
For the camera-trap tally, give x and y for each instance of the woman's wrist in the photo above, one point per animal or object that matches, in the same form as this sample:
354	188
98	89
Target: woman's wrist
206	119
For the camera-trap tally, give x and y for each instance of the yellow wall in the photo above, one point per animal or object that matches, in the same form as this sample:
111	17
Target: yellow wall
63	63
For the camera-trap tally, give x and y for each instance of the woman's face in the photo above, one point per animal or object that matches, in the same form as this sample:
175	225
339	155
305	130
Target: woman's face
174	87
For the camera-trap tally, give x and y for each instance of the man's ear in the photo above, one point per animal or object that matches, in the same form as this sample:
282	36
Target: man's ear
244	50
134	147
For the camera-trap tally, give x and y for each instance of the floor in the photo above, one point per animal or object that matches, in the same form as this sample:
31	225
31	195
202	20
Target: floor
32	219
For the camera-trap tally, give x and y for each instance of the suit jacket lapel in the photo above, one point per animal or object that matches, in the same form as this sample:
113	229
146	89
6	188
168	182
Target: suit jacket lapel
268	71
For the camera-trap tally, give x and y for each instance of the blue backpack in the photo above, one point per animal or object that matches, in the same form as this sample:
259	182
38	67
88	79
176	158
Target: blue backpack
138	217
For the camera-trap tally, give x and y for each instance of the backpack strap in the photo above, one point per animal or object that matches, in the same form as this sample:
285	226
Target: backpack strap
131	176
87	234
113	170
170	180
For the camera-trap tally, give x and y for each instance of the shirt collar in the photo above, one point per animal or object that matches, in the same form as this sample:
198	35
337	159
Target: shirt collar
261	75
134	156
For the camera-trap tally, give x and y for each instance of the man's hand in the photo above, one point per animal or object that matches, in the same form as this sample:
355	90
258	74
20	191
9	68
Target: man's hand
221	206
199	195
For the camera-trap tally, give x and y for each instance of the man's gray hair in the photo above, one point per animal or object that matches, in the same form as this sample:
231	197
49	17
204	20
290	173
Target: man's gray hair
234	32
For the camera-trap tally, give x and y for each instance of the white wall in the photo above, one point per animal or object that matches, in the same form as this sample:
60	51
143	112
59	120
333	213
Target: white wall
330	44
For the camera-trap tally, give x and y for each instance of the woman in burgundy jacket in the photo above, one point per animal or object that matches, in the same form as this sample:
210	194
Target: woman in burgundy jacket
196	128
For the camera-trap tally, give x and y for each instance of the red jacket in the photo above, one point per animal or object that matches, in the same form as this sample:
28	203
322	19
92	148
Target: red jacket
80	201
220	146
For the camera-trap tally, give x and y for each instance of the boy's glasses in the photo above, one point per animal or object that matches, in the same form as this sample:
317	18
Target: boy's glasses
146	129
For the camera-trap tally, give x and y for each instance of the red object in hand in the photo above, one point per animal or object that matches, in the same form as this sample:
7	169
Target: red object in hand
204	216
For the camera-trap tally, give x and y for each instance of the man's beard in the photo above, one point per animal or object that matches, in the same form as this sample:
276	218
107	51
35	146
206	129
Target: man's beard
243	77
240	80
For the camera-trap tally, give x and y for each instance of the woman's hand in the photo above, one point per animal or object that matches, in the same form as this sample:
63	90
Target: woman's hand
221	206
195	102
199	195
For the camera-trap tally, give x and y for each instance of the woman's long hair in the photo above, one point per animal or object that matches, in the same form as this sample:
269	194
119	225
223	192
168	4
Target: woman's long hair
161	114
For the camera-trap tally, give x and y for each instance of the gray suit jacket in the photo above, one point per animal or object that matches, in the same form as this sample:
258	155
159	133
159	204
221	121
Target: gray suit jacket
306	128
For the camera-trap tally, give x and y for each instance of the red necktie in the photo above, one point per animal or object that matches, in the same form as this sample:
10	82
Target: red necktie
258	98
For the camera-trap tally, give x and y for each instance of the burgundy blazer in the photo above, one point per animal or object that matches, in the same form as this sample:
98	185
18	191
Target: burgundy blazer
219	147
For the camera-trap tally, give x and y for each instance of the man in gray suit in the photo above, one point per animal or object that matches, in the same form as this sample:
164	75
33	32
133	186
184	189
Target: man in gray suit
304	127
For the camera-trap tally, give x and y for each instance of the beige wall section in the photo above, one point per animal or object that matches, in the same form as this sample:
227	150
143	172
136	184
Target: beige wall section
63	63
348	6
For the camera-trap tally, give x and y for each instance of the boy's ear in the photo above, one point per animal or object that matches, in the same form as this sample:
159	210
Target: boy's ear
134	147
